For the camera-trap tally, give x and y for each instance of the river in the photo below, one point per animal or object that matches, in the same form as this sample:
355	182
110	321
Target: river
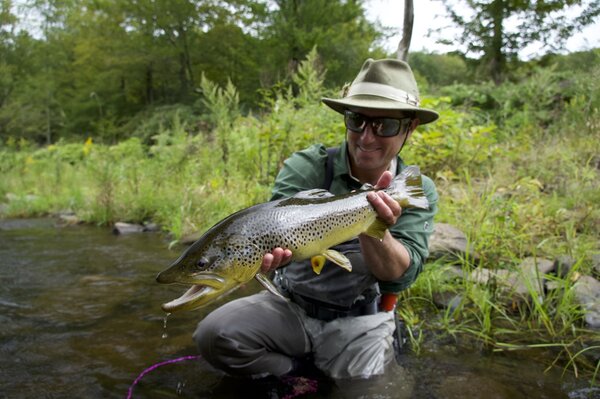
80	318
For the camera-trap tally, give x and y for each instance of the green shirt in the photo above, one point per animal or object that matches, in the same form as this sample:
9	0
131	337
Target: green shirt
305	170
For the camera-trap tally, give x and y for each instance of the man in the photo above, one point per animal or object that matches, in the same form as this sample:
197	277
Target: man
336	318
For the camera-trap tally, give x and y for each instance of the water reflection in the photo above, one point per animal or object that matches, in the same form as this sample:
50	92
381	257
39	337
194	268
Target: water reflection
80	315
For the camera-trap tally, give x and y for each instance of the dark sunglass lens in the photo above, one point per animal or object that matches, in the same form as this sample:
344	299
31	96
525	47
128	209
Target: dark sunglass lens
405	124
387	127
354	121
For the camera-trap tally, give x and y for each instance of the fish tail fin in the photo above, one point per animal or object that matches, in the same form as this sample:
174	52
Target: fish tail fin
407	189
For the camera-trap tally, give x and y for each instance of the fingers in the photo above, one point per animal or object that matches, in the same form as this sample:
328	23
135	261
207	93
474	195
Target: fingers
387	209
275	259
384	180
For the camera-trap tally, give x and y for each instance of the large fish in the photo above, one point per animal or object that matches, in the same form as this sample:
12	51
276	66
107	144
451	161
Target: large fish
309	224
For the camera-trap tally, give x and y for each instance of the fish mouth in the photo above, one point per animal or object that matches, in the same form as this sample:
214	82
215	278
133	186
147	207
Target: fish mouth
188	299
197	296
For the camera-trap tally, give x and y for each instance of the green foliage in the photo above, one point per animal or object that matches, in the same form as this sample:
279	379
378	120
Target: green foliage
538	101
172	172
102	68
234	56
338	28
456	141
309	80
497	30
154	120
440	69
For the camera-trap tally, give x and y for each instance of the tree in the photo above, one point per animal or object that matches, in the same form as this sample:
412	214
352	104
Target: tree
439	69
8	70
497	30
31	108
407	28
338	28
79	68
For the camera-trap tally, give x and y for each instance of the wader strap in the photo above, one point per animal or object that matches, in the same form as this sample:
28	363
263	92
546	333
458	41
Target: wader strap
326	312
331	151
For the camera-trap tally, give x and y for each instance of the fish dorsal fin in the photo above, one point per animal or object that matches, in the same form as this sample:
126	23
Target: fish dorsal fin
338	258
312	194
307	197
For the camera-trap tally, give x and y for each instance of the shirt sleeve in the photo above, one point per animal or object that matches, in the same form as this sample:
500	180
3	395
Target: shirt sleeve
303	170
413	229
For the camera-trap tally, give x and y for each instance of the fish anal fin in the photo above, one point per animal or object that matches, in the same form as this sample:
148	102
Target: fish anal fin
317	262
377	229
264	280
338	258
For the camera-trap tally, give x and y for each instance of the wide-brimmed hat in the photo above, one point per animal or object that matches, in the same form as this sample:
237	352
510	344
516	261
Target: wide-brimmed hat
384	85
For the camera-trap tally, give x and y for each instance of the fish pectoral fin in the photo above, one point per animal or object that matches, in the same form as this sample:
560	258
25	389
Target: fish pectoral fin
264	280
377	229
338	258
317	262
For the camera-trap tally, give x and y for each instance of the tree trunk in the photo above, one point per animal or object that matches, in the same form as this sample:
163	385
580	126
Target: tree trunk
409	16
497	59
185	69
149	85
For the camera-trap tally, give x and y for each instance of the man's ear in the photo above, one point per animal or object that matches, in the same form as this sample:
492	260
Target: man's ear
415	122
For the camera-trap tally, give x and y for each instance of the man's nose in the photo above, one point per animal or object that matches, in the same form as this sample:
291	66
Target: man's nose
368	133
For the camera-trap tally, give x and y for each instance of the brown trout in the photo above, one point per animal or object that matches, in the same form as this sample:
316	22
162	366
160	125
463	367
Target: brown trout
309	224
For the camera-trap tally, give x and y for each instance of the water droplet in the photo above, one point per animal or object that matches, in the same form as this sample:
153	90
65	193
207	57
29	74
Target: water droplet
165	334
180	386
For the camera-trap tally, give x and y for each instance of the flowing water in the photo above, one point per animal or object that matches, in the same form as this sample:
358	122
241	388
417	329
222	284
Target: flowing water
80	318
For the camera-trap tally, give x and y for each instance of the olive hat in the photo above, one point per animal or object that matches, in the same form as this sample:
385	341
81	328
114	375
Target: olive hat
386	84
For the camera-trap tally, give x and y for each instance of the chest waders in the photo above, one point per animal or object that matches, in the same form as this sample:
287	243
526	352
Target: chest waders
389	300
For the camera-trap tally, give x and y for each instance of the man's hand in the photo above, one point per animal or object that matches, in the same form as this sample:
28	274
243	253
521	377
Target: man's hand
278	257
387	259
386	207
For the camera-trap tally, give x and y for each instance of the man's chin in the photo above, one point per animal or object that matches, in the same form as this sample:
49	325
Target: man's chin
369	160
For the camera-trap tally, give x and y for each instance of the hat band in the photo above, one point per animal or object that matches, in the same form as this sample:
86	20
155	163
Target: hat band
378	89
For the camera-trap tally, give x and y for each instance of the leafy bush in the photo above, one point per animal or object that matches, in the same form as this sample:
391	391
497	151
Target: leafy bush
457	140
440	69
152	121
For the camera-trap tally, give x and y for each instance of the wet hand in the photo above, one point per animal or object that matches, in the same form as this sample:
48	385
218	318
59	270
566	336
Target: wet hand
388	210
278	257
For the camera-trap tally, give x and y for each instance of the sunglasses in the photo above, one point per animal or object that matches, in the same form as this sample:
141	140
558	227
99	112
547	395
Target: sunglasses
383	127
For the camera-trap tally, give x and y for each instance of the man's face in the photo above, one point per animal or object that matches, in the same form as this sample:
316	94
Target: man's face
370	154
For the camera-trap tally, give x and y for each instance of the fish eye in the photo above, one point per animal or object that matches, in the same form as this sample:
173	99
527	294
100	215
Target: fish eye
201	263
